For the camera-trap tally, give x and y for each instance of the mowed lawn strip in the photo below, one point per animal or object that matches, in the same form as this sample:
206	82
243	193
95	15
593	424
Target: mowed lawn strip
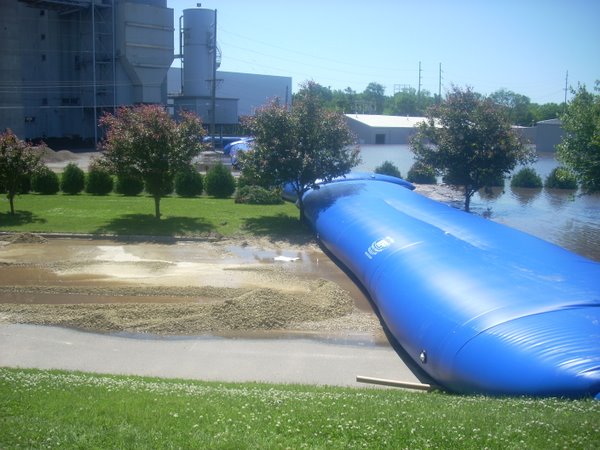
116	214
55	409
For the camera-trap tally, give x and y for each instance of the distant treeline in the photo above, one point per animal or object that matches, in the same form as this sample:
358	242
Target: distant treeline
409	102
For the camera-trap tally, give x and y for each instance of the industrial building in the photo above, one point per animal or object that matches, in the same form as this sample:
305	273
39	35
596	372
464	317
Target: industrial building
377	129
200	87
397	130
65	62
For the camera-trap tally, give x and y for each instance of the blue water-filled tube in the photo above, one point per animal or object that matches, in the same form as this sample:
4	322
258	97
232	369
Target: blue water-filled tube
481	307
290	195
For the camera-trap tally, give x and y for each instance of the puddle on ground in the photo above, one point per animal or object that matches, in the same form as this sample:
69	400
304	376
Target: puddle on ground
79	262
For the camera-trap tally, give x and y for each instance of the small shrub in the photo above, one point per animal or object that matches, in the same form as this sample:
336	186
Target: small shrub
25	185
258	195
422	174
45	181
219	182
388	168
98	181
495	181
527	177
72	180
129	185
188	183
161	184
561	178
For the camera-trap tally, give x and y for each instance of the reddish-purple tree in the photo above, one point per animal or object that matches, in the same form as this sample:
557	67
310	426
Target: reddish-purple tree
145	141
17	160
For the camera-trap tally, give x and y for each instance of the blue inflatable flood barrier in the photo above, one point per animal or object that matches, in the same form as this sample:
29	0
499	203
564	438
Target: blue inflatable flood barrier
481	307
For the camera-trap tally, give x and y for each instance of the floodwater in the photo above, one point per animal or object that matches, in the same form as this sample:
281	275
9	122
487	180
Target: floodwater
565	218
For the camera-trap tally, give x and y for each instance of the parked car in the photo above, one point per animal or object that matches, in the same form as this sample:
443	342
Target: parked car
239	146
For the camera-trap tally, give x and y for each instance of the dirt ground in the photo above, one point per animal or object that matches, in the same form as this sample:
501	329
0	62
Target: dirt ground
183	287
187	287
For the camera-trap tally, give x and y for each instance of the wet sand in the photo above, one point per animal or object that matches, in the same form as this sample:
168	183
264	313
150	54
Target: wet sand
187	288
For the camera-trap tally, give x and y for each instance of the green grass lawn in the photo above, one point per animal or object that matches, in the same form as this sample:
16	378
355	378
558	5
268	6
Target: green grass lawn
115	214
52	409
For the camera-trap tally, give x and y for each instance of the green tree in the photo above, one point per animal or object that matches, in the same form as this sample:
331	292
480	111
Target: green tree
17	161
374	95
469	140
300	145
145	141
580	147
546	111
517	106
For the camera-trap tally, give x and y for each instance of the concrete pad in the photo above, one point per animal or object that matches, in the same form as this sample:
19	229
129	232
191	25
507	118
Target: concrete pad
304	361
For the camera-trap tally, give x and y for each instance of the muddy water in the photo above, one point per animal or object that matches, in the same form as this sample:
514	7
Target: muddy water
89	271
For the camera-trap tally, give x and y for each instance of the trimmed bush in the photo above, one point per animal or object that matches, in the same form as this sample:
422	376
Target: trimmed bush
45	181
561	178
161	184
24	188
422	174
188	183
98	181
388	168
129	185
527	177
72	180
494	181
219	182
257	195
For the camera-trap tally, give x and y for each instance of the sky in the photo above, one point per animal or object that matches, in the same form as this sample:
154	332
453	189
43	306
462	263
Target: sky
525	46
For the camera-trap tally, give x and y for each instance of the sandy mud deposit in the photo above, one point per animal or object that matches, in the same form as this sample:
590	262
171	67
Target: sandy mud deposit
226	287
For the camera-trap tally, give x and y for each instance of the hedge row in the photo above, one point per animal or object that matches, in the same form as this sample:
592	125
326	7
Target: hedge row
218	182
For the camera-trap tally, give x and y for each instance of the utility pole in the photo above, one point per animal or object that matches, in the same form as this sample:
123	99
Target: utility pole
440	85
419	90
213	93
566	87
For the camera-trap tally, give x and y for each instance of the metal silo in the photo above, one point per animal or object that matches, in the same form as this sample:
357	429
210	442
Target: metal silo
198	46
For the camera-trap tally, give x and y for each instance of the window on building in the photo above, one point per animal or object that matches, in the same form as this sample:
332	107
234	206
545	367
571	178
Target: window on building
380	139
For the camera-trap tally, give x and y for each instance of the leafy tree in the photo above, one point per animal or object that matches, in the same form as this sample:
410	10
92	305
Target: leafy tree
546	111
18	161
517	106
375	95
72	180
145	141
299	146
580	147
469	140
